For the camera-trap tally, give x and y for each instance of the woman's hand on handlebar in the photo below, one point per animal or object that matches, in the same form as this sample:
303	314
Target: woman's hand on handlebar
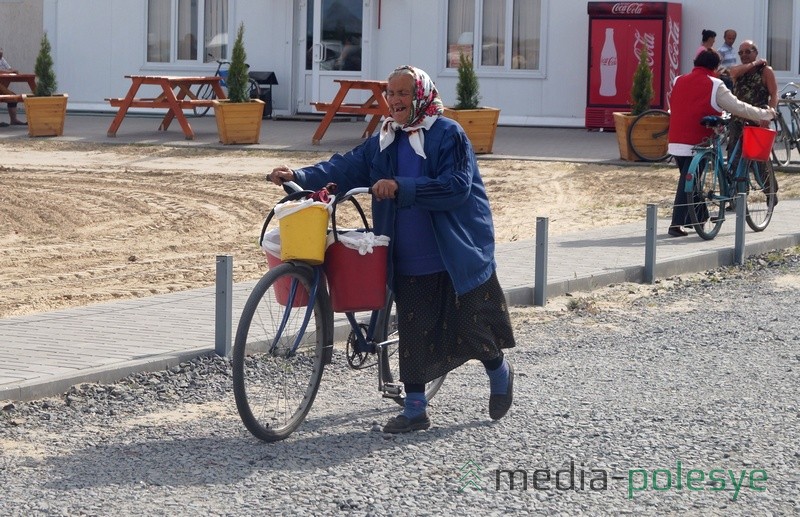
280	174
385	189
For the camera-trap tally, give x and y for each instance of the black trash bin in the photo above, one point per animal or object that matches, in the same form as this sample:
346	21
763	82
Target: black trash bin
265	81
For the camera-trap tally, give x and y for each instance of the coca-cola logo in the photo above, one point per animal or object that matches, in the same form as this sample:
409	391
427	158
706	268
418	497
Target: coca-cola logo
608	61
673	51
645	42
627	8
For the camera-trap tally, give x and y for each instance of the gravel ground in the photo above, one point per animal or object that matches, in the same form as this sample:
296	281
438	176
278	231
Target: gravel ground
693	377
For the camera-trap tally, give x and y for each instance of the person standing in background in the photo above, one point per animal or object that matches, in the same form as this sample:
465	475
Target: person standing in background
709	37
728	56
694	96
5	68
726	52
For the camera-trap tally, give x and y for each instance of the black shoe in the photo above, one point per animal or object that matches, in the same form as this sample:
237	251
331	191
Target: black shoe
403	424
500	404
677	231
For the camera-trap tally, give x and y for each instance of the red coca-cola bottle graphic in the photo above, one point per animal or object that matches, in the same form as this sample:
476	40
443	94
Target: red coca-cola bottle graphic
608	66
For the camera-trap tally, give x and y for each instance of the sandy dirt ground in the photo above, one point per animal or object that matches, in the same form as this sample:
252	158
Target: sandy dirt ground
81	224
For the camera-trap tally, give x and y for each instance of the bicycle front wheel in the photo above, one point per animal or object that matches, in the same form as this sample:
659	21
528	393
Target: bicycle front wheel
390	361
282	344
205	92
648	135
782	146
760	188
705	203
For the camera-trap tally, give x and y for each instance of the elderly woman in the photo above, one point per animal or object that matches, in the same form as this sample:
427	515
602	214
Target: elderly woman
695	95
430	200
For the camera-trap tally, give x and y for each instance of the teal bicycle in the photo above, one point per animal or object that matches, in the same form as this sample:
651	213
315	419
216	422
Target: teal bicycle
713	182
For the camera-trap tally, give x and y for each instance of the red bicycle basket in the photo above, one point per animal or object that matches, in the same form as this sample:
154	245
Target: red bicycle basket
757	143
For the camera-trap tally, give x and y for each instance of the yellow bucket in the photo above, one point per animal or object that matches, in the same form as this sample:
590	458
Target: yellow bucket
304	235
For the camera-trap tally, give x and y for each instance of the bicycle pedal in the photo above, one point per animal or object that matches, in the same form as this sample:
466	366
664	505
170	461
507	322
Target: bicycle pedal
392	390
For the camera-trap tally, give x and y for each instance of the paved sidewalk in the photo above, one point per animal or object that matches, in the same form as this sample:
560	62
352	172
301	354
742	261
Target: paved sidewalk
43	354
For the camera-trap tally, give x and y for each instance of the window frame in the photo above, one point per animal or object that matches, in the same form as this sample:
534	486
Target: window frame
794	37
498	71
200	61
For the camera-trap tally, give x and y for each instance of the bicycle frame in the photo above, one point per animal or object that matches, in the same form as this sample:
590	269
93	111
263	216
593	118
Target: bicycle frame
722	167
363	340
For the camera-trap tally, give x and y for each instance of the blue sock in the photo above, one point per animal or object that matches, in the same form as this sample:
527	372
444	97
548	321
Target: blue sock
415	404
498	379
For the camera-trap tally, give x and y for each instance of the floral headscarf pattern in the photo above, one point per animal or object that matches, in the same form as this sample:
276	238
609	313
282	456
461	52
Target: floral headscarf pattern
426	108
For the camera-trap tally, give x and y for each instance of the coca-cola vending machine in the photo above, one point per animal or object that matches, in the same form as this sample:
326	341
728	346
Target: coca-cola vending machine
618	31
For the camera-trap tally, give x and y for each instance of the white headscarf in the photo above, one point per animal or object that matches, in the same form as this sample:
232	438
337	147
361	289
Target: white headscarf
425	110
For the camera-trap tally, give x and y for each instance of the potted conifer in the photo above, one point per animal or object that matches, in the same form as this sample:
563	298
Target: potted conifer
479	122
45	110
641	97
238	116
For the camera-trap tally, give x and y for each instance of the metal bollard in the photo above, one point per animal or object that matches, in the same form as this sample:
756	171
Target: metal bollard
223	316
738	248
650	243
540	275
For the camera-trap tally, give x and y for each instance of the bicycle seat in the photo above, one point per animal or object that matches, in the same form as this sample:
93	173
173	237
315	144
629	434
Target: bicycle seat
789	95
713	121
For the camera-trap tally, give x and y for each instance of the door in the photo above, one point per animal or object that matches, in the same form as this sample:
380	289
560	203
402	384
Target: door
331	48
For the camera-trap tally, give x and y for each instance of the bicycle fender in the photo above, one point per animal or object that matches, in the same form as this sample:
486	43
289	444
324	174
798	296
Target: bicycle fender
692	172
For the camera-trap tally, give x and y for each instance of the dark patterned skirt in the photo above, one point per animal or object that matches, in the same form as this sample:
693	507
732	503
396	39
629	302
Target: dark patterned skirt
440	331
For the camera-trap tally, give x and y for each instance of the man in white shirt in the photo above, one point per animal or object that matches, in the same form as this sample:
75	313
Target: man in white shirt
5	68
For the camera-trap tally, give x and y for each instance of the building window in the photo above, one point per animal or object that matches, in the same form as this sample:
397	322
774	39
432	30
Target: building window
187	30
508	33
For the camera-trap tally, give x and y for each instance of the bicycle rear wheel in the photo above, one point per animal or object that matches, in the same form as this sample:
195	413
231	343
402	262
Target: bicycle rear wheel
705	204
205	92
648	135
390	362
760	188
782	146
282	345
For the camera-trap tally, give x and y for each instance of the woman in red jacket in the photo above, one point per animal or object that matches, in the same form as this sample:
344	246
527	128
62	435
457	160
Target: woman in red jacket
694	96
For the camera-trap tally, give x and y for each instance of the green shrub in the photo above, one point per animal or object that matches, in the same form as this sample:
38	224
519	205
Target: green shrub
642	89
45	76
238	78
467	90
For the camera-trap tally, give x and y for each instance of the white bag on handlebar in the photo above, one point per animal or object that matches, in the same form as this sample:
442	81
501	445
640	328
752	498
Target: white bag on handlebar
291	207
363	242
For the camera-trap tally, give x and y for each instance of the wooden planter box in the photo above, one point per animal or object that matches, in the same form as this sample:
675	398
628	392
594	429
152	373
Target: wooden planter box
45	114
642	136
239	123
479	124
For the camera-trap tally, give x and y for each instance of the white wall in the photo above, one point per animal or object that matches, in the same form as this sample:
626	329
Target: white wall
97	42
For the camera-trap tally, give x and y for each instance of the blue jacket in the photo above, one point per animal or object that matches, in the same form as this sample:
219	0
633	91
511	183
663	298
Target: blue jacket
450	188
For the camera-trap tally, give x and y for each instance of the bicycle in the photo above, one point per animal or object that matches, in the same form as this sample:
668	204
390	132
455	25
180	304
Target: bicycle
712	183
648	135
285	338
788	132
205	91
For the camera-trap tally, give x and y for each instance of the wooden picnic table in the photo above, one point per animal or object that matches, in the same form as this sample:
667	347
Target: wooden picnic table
7	78
176	96
375	105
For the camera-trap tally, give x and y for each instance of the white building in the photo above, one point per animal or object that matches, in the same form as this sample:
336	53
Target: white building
532	63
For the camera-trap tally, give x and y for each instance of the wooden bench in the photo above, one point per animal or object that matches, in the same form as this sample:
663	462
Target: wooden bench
357	109
161	103
11	98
